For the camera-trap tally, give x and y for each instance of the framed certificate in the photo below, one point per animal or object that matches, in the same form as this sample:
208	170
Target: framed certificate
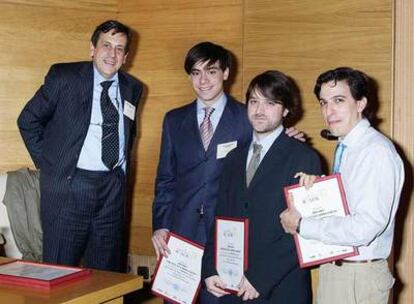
37	275
325	198
231	250
177	277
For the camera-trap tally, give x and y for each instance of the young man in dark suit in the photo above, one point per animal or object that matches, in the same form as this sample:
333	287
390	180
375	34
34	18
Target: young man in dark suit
79	129
195	141
251	187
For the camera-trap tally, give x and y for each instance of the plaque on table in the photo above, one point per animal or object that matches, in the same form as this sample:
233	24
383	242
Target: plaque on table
177	277
231	250
325	198
39	275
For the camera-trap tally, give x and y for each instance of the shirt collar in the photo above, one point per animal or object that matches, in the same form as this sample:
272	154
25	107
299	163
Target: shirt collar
98	78
267	141
218	105
355	134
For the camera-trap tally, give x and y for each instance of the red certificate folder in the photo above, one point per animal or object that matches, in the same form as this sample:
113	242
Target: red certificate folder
165	285
336	253
38	275
245	238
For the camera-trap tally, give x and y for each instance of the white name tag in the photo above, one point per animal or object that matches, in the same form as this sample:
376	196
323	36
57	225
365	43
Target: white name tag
224	149
129	110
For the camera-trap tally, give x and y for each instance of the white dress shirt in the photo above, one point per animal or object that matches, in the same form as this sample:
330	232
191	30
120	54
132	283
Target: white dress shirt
373	176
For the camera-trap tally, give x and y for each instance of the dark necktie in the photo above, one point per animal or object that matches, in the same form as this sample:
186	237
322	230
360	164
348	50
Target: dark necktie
206	127
339	151
110	123
254	163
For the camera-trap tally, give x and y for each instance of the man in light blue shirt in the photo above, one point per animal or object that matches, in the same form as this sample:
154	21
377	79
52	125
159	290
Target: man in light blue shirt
373	175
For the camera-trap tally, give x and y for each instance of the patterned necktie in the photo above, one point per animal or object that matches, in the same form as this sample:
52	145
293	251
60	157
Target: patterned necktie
254	163
206	127
110	124
339	151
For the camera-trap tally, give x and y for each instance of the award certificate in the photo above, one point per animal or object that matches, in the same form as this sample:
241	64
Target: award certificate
325	198
231	255
177	277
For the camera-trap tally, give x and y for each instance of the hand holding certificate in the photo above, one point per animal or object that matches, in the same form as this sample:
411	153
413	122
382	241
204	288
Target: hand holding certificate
325	198
231	251
177	278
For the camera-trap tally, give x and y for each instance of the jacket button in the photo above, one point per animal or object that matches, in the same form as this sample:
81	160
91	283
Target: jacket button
69	177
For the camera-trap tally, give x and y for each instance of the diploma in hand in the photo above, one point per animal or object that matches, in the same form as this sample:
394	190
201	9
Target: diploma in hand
177	278
325	198
231	250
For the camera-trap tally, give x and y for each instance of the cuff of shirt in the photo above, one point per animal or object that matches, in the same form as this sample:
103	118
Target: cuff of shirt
309	228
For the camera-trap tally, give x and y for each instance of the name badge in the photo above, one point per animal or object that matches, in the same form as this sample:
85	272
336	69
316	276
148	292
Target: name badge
129	110
224	149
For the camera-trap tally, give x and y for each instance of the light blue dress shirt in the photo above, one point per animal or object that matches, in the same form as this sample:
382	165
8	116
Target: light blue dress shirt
90	157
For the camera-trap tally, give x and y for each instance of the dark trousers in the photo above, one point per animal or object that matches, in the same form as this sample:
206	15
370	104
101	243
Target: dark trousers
90	222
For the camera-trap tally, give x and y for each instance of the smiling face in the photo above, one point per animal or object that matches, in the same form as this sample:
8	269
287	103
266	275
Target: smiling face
339	108
109	53
207	81
265	115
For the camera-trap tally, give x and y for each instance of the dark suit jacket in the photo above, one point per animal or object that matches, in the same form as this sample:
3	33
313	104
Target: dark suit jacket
188	176
54	123
273	266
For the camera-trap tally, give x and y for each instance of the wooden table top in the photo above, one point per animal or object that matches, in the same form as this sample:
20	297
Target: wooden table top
99	287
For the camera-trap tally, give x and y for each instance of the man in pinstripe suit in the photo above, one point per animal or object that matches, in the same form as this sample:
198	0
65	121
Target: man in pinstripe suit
63	127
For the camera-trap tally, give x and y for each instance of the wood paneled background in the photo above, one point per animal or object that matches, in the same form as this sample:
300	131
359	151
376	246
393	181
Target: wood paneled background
297	37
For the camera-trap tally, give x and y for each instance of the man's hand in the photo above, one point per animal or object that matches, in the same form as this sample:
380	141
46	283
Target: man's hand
246	290
290	217
215	286
293	132
306	180
159	241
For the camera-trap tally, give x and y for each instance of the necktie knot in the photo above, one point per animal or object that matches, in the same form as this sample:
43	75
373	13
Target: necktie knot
106	84
207	112
257	148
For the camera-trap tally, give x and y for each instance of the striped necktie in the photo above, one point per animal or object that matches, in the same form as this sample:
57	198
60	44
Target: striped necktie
206	127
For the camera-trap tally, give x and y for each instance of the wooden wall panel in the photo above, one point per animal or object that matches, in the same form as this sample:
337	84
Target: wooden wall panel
303	39
403	126
166	32
94	5
34	35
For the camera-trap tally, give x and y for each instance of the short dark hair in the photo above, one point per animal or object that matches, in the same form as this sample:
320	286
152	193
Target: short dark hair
207	52
109	25
275	85
357	81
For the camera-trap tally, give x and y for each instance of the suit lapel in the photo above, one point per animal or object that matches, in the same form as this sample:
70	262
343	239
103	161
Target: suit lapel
190	127
125	96
225	129
86	91
273	158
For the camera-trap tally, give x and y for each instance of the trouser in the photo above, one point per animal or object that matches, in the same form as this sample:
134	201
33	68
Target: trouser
89	223
355	283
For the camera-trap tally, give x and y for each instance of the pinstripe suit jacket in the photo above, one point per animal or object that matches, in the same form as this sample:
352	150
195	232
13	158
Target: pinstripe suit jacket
54	123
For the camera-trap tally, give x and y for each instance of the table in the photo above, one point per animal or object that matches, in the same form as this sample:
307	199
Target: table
100	287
